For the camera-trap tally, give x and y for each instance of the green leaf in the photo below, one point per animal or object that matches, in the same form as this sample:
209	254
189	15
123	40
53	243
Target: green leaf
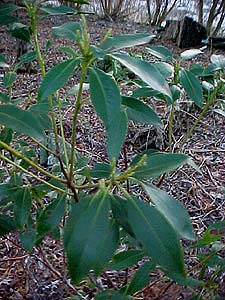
126	40
51	216
5	20
165	69
159	163
125	259
212	234
218	60
173	210
161	52
3	62
68	51
28	235
90	238
176	92
116	134
4	98
41	112
149	92
105	96
192	86
7	224
119	210
21	121
20	31
140	279
189	54
58	10
138	111
101	170
146	71
67	30
98	52
22	206
6	135
26	58
157	236
5	11
111	295
57	77
9	79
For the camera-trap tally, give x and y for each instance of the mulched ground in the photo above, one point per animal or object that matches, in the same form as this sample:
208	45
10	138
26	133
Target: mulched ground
41	274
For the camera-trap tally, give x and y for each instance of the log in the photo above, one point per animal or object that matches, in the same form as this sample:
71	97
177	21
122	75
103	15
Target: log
186	33
191	33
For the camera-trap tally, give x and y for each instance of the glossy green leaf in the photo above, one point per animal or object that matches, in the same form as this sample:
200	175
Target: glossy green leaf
190	53
176	92
192	86
173	210
145	92
7	224
218	60
28	235
146	71
5	20
9	79
5	11
41	112
140	279
105	96
126	259
22	206
26	58
165	69
58	10
6	135
159	163
51	216
20	31
116	134
158	238
68	51
98	52
138	111
212	234
90	238
2	58
21	121
101	170
160	52
119	210
126	40
57	77
67	30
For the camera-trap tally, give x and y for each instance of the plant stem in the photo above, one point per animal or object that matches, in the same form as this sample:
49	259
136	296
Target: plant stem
75	116
171	127
33	15
30	162
33	175
209	102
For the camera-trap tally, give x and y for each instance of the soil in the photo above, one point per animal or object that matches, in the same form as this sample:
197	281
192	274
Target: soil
41	274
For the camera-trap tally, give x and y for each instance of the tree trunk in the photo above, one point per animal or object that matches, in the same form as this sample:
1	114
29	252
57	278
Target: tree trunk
200	11
219	24
212	15
148	2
